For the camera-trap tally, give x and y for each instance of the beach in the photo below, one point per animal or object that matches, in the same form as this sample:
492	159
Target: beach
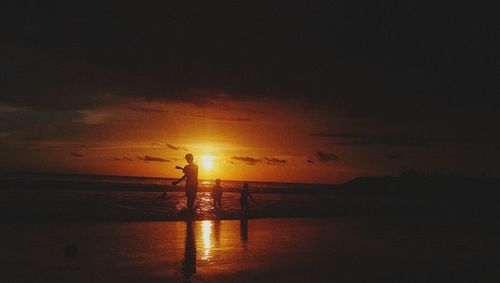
255	250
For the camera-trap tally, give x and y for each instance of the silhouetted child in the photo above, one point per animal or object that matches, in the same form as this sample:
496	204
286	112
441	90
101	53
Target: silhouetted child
244	196
217	195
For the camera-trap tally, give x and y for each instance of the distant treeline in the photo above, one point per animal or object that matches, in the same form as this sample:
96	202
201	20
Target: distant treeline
435	173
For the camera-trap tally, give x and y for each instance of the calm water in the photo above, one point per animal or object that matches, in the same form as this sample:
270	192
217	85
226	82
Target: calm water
56	197
120	182
258	250
46	198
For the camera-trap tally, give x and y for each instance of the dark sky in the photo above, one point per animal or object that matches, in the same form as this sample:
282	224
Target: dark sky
417	73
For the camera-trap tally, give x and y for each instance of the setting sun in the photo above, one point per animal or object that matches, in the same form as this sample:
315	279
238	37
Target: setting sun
207	162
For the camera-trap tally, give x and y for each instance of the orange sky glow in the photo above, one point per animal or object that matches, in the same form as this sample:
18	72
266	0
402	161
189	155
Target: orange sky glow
253	140
243	140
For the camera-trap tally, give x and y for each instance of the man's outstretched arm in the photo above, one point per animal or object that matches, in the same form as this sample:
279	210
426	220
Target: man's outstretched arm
251	197
178	181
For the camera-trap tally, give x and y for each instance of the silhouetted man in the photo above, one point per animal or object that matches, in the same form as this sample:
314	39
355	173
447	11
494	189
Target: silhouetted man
191	176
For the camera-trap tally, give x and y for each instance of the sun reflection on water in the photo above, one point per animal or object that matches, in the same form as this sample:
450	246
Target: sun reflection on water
206	234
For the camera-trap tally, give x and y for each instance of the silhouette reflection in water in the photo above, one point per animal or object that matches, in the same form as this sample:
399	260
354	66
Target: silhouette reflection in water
189	264
244	229
216	228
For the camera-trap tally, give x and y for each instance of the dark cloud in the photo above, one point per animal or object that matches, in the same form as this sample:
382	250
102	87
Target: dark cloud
371	60
324	157
173	147
402	139
123	159
148	158
337	135
20	119
146	109
385	140
248	160
274	161
224	119
40	80
252	161
75	154
395	155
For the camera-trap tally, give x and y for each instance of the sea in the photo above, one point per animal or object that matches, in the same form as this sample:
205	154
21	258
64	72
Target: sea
88	228
42	197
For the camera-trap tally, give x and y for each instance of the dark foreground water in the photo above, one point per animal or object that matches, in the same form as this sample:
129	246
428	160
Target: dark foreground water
256	250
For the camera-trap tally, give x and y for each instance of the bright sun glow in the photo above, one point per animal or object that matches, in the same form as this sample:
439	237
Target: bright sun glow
207	162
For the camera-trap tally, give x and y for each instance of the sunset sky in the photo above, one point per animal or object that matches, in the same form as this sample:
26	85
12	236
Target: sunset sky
317	93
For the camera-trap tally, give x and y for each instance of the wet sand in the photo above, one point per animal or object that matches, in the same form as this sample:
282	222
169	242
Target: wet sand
257	250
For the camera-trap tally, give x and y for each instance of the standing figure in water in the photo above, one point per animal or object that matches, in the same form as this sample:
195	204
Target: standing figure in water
217	195
191	176
244	196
